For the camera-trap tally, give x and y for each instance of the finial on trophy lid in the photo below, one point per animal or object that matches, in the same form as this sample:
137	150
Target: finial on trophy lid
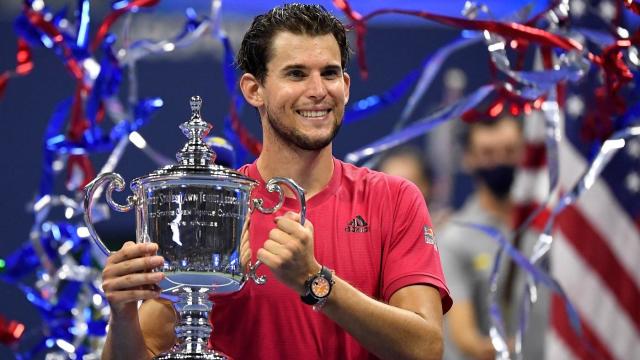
195	151
196	104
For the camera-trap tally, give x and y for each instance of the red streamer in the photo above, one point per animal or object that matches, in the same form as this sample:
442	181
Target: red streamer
77	126
38	20
23	67
10	331
505	102
361	30
633	6
609	102
114	15
4	79
82	163
246	139
508	30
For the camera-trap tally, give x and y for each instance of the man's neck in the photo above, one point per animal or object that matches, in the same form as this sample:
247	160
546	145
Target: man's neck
312	170
500	208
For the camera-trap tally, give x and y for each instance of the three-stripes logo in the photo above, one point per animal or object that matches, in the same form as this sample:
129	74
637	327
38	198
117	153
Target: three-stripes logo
357	225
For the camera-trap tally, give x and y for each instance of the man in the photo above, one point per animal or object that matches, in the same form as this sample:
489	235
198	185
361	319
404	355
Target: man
387	292
492	150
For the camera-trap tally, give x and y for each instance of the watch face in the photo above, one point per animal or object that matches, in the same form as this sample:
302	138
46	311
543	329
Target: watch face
320	287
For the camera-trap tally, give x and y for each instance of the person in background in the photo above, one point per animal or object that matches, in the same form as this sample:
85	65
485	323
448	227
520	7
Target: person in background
492	150
360	280
407	162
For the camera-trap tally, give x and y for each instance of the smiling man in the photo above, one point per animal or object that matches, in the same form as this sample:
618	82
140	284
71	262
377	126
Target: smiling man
360	280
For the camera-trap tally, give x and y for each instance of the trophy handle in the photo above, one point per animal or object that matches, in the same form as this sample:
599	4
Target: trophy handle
116	182
274	185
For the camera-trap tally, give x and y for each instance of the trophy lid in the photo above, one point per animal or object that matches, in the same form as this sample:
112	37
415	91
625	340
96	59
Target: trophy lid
196	158
195	151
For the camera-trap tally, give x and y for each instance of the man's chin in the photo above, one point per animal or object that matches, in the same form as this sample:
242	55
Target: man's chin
312	144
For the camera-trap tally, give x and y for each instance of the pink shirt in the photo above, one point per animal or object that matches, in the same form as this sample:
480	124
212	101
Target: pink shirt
372	229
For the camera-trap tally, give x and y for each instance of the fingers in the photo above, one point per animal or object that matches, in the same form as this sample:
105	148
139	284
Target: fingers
245	252
296	217
132	281
268	258
245	226
127	275
131	250
289	223
277	248
142	264
289	251
281	250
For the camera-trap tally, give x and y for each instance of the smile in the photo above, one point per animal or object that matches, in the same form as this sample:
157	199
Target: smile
313	113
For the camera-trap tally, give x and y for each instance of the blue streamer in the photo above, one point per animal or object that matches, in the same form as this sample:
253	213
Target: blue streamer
143	112
422	126
82	24
228	68
630	118
21	262
237	100
429	70
53	127
93	142
106	85
375	103
192	29
29	33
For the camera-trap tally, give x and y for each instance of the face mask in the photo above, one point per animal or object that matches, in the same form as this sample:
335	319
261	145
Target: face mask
498	179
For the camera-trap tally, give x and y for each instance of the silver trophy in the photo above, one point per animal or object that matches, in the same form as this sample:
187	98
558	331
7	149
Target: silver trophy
195	212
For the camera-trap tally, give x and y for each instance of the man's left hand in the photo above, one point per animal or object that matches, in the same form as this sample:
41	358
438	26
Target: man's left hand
288	251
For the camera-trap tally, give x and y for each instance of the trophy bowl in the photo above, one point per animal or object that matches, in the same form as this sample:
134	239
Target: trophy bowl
195	211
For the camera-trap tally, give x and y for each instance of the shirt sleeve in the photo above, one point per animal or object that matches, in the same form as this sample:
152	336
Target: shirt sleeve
411	254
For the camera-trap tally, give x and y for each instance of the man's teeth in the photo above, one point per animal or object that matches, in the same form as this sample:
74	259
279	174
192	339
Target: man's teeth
314	113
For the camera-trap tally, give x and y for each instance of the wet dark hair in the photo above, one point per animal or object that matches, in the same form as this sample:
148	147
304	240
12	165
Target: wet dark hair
300	19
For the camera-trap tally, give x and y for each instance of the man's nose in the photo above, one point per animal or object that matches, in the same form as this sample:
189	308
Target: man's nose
316	88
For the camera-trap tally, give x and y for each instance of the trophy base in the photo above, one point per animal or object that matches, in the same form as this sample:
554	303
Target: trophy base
209	355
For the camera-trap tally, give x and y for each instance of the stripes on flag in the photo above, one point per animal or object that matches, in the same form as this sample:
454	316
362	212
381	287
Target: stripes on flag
595	259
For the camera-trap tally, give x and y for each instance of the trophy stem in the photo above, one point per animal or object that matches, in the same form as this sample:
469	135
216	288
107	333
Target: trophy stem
193	328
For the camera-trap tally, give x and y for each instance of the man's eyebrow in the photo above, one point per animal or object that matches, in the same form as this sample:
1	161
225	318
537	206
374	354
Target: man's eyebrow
336	68
303	67
293	67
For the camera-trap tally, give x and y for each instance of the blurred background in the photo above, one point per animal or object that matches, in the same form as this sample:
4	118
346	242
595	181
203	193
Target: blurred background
395	46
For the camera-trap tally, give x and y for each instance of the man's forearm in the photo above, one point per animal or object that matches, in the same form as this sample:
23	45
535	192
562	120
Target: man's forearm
124	341
387	331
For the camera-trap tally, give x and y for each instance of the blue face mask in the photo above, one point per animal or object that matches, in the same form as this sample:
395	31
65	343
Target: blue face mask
497	178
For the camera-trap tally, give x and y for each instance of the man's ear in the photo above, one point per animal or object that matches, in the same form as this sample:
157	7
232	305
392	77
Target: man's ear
347	85
251	90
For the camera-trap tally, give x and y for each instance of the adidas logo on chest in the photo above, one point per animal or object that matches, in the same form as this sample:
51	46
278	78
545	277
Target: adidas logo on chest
357	225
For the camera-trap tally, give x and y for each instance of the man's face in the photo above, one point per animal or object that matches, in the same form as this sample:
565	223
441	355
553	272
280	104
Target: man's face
496	145
305	90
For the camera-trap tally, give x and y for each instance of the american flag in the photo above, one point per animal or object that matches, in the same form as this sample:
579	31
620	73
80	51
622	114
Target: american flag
595	254
596	250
